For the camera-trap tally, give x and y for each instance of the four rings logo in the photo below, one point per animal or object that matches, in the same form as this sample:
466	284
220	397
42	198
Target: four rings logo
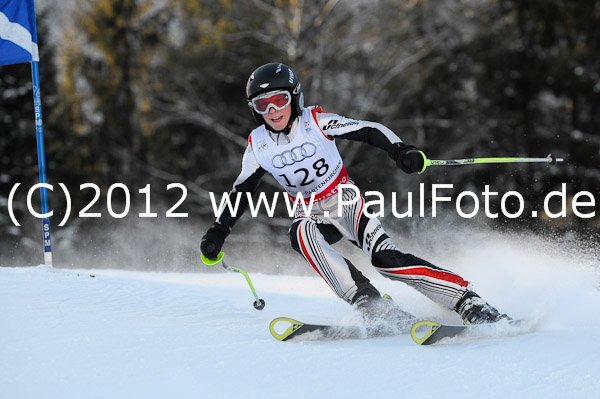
294	155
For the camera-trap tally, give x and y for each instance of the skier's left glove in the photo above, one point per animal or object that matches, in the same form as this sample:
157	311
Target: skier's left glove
407	157
213	240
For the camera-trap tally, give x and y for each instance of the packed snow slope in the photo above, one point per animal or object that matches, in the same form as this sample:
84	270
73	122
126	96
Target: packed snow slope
67	333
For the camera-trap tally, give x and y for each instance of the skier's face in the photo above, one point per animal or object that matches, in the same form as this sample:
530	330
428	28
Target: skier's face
278	120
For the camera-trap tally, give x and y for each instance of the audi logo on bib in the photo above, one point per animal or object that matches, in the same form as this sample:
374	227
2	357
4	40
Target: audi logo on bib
296	154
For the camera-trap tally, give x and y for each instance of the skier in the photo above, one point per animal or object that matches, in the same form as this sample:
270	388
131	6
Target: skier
297	146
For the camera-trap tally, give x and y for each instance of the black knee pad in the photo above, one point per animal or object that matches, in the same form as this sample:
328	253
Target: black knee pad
392	258
294	236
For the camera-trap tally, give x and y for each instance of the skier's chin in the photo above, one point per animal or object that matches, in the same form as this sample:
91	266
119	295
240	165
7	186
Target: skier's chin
278	126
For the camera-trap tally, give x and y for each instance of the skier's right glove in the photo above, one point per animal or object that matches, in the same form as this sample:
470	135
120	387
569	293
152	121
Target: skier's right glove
213	240
407	157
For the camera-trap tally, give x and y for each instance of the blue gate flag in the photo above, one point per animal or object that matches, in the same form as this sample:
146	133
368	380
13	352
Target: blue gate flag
18	34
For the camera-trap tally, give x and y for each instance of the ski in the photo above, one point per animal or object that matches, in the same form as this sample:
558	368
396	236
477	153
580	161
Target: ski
393	321
284	329
429	332
294	329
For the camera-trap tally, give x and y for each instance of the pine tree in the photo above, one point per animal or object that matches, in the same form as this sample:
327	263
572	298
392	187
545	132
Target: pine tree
106	69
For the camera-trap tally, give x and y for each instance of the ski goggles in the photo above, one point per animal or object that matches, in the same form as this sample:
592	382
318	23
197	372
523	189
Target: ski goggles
276	99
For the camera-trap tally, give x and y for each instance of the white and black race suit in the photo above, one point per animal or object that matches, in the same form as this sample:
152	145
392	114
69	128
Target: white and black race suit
307	162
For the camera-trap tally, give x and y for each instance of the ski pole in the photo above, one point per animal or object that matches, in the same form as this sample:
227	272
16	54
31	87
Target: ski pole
550	160
259	304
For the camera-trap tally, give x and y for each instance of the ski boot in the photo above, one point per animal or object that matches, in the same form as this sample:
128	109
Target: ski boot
474	310
381	315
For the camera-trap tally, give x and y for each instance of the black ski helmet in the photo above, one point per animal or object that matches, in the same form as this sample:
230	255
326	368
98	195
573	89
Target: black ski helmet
275	76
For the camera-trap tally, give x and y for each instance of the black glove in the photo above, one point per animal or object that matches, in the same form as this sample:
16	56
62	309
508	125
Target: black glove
213	240
407	157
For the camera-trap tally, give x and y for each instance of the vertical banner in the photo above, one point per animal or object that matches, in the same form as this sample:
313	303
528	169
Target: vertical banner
18	44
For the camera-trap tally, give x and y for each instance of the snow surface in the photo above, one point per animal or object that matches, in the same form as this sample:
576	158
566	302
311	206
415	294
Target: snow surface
69	333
